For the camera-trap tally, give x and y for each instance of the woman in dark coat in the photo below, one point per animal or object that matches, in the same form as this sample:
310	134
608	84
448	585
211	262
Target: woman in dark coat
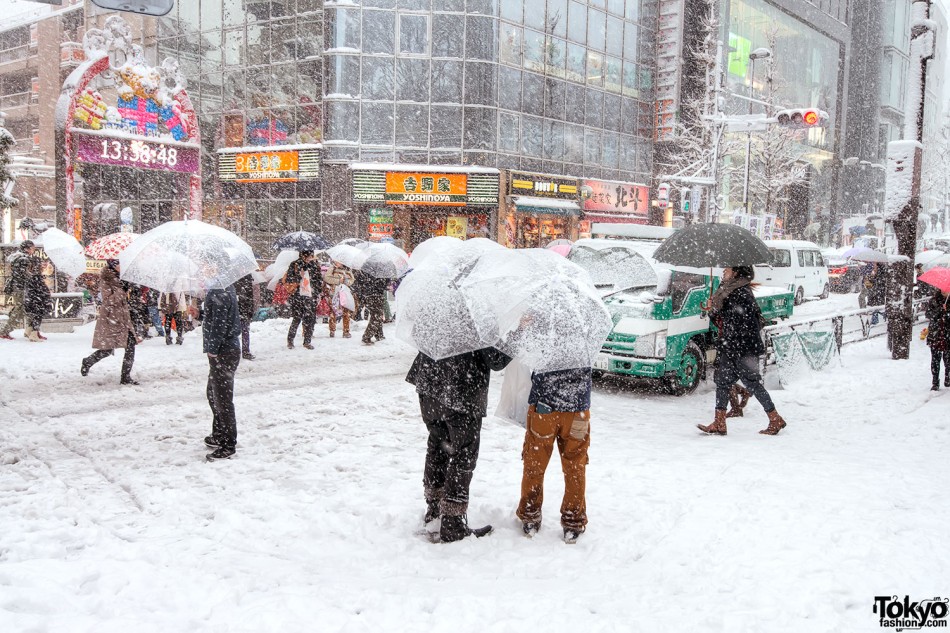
938	337
114	329
737	316
37	299
304	284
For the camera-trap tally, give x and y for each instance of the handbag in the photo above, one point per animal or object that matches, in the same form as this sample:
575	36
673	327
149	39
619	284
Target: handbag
323	307
281	294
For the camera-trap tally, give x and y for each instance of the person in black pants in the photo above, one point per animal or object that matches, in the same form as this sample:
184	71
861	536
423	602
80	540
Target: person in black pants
374	298
938	338
221	334
453	399
304	283
247	295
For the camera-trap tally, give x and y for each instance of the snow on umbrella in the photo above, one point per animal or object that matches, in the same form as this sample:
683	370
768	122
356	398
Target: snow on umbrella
384	261
110	246
927	258
942	260
713	246
187	255
938	278
864	254
537	307
301	241
352	241
64	251
433	316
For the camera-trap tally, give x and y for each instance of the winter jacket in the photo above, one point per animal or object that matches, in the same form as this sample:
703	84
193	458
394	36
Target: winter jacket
248	299
114	323
459	382
337	275
739	321
938	330
877	293
221	322
295	274
19	261
372	286
564	390
37	299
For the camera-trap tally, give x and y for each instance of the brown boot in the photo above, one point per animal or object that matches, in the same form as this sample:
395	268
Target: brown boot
718	427
738	398
776	424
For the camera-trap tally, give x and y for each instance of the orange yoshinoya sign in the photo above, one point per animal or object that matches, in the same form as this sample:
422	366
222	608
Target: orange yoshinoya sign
426	188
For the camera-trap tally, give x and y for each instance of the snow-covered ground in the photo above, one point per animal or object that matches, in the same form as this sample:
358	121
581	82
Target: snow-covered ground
112	521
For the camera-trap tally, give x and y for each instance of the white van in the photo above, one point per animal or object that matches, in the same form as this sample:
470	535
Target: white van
796	265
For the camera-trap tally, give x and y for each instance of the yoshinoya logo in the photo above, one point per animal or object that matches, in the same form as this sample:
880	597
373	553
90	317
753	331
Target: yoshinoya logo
904	615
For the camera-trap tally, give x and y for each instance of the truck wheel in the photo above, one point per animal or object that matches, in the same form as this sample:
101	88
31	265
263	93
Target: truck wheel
825	292
799	296
690	373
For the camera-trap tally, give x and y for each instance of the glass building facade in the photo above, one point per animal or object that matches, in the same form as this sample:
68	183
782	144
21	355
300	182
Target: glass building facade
548	86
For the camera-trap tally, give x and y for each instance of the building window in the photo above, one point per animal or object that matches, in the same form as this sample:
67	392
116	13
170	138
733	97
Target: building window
413	34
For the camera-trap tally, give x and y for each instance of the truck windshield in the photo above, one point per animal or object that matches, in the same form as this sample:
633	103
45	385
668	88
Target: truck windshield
614	269
628	304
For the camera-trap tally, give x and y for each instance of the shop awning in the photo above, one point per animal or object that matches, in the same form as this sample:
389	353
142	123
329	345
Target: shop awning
615	218
546	206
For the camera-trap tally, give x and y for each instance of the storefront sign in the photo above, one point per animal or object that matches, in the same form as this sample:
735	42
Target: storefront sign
66	305
541	186
269	166
456	226
380	224
615	197
138	153
426	188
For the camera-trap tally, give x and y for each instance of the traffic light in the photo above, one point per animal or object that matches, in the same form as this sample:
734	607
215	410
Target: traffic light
684	199
802	118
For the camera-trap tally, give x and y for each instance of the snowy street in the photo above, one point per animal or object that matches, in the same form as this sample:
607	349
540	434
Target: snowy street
113	521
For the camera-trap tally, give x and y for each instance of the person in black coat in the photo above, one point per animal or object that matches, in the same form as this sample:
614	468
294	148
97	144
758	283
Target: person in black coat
938	337
373	292
453	399
221	334
19	275
37	299
304	283
247	306
738	318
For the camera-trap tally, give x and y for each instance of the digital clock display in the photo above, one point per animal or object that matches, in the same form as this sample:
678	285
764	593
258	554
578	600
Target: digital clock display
137	153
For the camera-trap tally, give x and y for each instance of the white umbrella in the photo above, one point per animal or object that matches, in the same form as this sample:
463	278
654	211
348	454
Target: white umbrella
187	255
275	272
864	254
933	259
437	247
384	261
348	255
538	307
65	251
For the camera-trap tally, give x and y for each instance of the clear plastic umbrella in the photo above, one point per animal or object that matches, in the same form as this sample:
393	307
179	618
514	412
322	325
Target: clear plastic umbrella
384	261
275	272
348	255
537	307
187	255
65	251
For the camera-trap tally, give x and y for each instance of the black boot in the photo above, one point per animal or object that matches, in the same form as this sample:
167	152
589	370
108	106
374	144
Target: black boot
84	370
432	511
455	528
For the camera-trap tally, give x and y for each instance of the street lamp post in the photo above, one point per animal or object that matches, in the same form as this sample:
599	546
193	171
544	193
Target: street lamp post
759	53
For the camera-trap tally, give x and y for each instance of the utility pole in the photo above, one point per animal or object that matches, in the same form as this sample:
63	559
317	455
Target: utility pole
902	198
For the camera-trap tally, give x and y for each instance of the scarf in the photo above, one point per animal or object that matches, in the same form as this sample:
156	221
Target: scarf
725	289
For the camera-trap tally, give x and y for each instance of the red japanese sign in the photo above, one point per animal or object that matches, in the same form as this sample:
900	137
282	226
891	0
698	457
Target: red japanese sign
616	197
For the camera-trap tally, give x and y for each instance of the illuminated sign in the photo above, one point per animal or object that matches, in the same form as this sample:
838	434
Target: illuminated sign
269	166
616	197
136	152
426	188
542	186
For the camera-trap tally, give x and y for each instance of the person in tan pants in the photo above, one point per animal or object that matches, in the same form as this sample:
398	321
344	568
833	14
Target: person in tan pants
559	412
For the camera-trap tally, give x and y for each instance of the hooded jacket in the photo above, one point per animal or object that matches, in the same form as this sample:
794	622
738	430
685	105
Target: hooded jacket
459	383
221	323
18	261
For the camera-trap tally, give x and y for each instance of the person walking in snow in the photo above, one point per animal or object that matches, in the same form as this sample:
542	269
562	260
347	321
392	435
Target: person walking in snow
938	337
453	399
173	307
737	316
304	282
221	337
338	275
374	295
37	300
559	411
114	328
19	274
248	295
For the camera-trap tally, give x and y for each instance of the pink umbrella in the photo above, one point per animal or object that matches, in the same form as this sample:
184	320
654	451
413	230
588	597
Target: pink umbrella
561	249
938	278
109	246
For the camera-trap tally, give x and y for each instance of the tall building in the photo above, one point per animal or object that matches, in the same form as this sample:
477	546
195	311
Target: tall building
409	118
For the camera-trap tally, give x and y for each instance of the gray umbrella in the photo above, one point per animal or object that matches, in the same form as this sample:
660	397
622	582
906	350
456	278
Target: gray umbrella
713	246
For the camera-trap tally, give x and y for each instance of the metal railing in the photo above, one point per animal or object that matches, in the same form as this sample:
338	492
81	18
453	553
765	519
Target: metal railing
15	100
848	327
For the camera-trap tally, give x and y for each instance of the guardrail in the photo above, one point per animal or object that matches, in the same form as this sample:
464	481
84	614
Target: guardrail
848	327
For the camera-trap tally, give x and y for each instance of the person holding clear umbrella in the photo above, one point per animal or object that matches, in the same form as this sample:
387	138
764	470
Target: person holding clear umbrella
304	282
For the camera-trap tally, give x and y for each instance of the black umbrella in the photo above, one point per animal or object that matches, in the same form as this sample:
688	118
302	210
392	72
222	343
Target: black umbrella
713	246
301	241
